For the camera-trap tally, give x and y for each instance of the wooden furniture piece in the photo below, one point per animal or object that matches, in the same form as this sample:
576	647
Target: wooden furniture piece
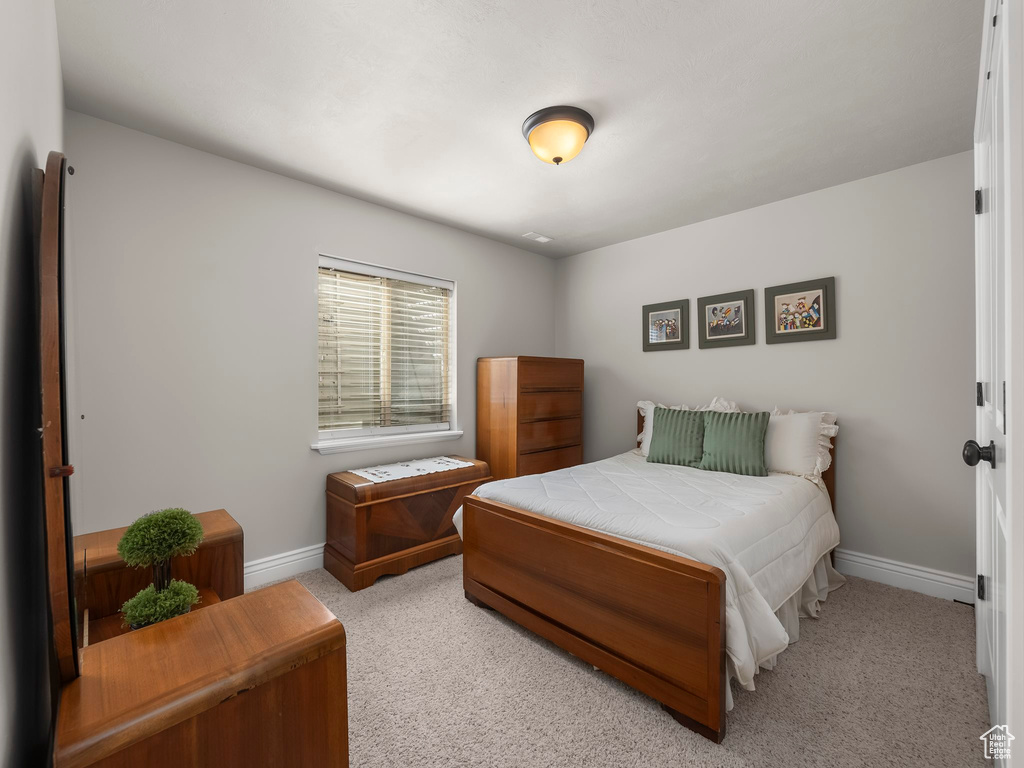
56	468
529	414
654	620
216	569
258	680
380	528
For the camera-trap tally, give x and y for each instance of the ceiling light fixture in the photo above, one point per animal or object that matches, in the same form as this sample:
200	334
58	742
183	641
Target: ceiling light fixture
557	134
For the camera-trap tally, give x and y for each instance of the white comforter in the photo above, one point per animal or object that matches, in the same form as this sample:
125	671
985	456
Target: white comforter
766	533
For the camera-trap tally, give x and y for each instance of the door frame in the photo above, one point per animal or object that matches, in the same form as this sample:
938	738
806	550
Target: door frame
1009	22
1014	83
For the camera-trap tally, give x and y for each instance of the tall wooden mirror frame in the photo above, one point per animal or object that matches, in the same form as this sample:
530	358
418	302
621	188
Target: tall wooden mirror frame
56	470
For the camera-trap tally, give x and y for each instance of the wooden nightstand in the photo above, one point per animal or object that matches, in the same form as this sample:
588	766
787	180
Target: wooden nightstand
379	528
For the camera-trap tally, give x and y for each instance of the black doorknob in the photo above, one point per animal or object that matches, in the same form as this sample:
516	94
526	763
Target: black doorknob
973	453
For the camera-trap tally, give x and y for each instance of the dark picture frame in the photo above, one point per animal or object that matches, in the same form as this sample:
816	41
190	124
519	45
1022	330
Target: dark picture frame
658	333
726	320
804	311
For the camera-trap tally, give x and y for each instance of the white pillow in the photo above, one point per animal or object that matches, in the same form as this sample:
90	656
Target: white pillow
800	443
646	408
791	443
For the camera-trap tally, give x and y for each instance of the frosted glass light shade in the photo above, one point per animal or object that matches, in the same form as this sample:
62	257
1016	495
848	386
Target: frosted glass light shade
557	134
558	142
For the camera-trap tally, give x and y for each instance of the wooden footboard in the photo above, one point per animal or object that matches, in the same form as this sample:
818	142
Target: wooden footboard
653	620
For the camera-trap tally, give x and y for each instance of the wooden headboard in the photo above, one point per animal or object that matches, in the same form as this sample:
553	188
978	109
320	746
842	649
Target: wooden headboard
828	476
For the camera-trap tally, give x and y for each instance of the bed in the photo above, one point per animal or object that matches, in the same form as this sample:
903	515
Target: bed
641	568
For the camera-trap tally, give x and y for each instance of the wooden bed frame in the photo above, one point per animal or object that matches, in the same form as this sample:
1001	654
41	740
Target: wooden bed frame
653	620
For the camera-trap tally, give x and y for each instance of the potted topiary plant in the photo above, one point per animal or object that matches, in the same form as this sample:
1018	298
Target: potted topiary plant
151	542
149	606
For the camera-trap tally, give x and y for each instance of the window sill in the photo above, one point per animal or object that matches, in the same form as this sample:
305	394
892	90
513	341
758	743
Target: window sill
346	444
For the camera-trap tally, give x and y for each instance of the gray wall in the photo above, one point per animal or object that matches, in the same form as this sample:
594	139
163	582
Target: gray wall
193	335
31	124
193	288
900	375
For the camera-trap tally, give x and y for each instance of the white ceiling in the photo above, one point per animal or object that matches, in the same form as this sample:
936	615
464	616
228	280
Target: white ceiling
702	108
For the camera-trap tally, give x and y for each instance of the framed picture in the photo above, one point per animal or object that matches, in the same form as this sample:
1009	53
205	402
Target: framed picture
667	325
726	320
800	311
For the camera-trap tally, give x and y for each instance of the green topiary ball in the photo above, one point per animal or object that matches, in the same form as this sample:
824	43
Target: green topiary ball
159	536
149	606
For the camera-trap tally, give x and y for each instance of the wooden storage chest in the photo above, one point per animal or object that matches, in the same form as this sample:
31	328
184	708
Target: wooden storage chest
387	528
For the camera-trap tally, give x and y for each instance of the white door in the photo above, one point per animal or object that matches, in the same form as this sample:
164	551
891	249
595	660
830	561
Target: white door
999	296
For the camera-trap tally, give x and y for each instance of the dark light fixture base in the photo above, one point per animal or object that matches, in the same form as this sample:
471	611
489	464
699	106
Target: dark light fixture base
546	115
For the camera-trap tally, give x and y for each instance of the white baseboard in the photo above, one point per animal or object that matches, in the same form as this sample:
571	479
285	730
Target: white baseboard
917	578
268	569
928	581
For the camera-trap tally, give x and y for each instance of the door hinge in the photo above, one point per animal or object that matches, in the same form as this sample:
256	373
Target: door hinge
981	587
994	19
977	201
981	394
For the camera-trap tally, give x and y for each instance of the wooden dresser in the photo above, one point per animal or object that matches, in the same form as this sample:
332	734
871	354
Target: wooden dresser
254	680
529	414
258	680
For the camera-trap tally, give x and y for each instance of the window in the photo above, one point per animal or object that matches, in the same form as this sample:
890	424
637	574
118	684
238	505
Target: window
385	356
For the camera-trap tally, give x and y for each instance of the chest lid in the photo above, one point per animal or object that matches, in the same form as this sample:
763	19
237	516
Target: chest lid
360	490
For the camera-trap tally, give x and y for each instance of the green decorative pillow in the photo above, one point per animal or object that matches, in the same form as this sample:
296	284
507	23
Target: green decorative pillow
734	442
677	437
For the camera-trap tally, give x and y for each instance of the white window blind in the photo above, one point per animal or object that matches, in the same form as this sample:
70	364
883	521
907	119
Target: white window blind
384	353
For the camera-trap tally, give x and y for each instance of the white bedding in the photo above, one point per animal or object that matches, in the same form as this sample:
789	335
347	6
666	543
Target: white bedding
769	534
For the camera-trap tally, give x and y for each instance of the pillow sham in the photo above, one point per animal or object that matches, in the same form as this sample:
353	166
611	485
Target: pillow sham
734	442
646	408
787	443
678	437
791	443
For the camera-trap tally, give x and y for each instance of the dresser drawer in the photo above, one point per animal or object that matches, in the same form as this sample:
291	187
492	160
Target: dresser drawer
549	461
542	406
540	375
544	435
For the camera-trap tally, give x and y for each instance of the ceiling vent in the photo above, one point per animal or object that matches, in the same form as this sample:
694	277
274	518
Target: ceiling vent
538	237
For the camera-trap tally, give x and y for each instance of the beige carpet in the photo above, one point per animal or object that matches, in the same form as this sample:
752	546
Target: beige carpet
884	677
